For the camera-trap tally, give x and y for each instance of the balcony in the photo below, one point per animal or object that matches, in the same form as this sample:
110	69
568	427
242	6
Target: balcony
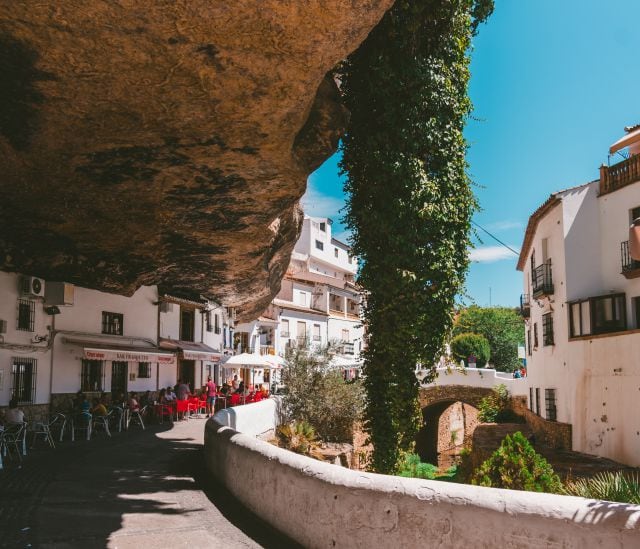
267	350
630	267
525	305
542	280
619	175
346	348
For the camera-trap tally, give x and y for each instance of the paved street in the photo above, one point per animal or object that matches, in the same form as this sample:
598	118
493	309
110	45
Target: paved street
137	489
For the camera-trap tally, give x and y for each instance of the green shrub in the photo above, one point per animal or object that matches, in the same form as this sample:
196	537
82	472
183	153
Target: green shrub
517	466
496	408
609	486
299	437
411	466
465	345
319	395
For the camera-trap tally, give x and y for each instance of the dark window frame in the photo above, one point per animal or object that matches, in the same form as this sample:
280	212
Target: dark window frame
535	335
529	342
208	321
24	374
531	398
216	323
187	329
112	323
89	377
335	252
547	329
537	401
323	226
144	370
26	319
551	408
320	245
619	305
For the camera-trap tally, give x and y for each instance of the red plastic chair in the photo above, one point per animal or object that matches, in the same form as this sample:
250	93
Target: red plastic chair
235	399
182	407
162	411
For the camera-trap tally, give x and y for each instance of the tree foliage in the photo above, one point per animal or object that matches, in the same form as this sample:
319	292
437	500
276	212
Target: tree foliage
409	199
465	345
503	327
517	466
318	395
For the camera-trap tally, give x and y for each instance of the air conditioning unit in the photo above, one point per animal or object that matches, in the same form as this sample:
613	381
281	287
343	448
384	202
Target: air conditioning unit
32	286
59	293
166	307
3	326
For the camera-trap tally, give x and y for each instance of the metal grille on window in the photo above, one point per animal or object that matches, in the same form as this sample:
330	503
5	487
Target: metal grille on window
26	315
535	335
208	320
531	398
23	372
547	329
550	401
144	369
92	375
217	323
112	323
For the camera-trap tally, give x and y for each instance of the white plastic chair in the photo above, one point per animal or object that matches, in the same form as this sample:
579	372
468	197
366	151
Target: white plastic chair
103	421
11	438
43	428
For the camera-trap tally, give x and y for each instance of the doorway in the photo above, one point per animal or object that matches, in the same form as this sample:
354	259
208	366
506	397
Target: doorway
188	373
119	379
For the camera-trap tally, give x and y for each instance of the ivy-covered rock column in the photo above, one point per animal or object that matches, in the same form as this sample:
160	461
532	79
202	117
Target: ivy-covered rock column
410	201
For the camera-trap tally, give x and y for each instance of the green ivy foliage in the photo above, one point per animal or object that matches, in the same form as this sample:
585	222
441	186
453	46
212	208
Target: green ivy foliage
465	345
517	466
410	200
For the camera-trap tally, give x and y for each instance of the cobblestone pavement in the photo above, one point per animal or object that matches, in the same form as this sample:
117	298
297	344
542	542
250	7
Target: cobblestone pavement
142	489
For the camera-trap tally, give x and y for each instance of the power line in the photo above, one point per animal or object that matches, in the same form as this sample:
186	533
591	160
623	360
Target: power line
496	238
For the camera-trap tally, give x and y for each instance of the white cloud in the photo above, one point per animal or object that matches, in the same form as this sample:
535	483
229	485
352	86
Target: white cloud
490	254
316	204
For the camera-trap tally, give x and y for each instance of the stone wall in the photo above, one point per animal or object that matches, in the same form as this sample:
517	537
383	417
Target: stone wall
32	412
550	433
323	505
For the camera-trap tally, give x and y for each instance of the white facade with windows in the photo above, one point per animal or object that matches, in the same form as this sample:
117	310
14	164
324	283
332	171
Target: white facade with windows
582	300
57	339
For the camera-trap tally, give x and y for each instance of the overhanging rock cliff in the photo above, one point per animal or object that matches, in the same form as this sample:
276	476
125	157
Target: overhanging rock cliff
153	142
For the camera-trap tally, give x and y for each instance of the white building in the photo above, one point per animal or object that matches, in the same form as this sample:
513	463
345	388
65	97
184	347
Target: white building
318	303
582	299
57	339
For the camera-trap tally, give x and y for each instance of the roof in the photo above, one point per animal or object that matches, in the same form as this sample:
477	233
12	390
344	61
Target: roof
534	219
191	300
334	240
632	136
553	200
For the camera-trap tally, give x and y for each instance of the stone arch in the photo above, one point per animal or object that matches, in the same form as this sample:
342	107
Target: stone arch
434	401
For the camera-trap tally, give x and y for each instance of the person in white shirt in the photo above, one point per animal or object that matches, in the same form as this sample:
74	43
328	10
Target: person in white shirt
14	414
235	383
170	395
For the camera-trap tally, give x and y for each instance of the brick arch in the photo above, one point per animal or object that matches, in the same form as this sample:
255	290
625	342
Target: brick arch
434	401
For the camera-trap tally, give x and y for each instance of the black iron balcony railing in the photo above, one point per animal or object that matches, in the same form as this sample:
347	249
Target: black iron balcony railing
629	266
542	280
525	305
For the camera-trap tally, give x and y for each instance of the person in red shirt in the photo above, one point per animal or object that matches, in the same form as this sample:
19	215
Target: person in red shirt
211	396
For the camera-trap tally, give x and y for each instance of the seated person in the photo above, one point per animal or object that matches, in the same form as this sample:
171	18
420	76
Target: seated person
86	405
98	409
133	403
170	395
146	400
14	414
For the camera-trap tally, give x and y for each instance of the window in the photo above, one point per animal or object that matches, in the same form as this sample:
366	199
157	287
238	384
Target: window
284	328
302	331
550	402
216	325
529	342
335	252
598	315
538	400
91	377
636	307
635	214
345	335
23	373
112	323
323	226
531	398
535	335
144	369
547	329
26	315
302	298
187	324
319	245
208	320
316	332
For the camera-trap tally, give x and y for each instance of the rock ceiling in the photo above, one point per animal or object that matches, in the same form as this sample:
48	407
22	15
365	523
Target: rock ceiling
166	142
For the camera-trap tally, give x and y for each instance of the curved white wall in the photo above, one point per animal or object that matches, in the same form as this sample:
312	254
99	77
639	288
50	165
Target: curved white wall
252	419
323	505
479	377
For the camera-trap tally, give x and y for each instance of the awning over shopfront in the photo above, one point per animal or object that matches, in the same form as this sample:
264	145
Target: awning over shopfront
128	355
190	350
632	137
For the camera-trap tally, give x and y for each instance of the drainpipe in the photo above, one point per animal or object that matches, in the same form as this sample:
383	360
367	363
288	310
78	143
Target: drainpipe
52	337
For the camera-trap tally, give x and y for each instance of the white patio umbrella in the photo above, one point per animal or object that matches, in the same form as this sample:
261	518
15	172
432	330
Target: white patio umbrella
250	361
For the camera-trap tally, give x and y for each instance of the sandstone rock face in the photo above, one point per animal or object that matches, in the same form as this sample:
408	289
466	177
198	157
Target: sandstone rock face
166	142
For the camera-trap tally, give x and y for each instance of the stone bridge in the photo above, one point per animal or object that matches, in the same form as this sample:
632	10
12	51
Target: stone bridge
434	401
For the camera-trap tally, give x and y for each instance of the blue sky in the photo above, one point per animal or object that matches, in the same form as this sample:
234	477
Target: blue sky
553	85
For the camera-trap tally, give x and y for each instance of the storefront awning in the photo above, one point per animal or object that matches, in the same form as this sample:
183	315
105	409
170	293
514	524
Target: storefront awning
190	350
128	355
